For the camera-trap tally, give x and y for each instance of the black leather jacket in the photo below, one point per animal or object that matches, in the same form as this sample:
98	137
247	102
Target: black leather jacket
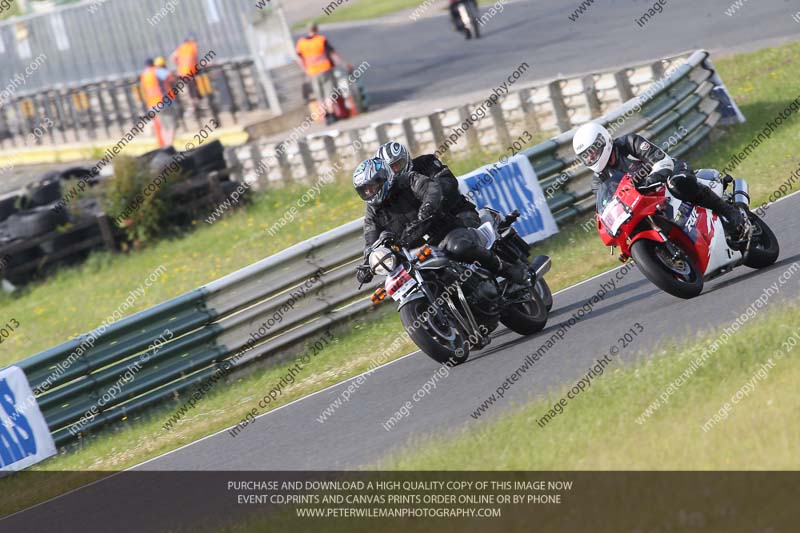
429	181
636	155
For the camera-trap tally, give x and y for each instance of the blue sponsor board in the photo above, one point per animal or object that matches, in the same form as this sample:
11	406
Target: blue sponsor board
512	185
24	436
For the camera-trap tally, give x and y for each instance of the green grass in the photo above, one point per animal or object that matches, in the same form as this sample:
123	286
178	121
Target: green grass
598	430
78	299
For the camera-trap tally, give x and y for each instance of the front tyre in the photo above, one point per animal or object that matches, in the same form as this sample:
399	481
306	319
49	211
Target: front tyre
764	246
435	332
676	275
544	291
526	317
472	10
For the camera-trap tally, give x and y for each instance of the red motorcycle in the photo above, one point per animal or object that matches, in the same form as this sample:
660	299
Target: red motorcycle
677	245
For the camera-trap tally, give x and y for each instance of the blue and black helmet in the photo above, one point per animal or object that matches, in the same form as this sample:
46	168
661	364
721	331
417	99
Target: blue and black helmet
373	181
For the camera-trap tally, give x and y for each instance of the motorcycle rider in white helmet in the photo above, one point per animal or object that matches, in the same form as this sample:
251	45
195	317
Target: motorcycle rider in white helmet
651	167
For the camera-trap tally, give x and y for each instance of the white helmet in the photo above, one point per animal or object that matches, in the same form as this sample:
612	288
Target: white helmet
593	144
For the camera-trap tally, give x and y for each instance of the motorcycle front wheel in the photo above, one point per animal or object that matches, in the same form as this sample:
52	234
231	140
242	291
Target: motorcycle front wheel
472	10
544	291
676	275
435	332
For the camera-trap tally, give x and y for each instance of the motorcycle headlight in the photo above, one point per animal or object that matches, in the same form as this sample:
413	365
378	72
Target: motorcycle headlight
382	261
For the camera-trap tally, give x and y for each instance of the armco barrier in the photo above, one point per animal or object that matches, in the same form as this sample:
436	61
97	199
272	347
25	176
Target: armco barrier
211	326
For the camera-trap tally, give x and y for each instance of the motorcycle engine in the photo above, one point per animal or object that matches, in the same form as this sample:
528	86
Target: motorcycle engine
485	298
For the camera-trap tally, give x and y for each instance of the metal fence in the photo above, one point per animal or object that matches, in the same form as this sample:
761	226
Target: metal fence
100	39
213	328
107	109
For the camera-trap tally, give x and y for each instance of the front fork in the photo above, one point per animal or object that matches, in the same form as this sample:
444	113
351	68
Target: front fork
466	320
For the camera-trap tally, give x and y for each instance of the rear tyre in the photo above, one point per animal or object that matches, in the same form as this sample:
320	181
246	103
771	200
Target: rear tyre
526	318
677	276
436	333
764	248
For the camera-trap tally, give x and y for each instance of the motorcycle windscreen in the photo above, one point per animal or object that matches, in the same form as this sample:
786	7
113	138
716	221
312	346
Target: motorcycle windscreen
607	190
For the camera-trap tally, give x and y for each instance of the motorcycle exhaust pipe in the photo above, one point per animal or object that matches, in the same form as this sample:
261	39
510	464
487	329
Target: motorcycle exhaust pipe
741	193
541	265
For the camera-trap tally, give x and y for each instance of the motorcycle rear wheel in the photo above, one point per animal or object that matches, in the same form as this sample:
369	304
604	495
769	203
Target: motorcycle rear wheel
679	277
528	317
434	333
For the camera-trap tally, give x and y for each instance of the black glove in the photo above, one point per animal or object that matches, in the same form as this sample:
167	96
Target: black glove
426	211
652	181
413	233
363	274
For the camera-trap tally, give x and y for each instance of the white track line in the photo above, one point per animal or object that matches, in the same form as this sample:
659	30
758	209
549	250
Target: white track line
301	399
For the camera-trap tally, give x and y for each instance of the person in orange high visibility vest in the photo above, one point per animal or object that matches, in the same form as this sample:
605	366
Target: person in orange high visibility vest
185	58
157	84
317	57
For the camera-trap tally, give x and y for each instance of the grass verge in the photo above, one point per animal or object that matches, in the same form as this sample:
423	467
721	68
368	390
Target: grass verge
602	428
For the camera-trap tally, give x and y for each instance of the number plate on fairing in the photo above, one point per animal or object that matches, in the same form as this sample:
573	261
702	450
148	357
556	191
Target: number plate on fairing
615	215
400	284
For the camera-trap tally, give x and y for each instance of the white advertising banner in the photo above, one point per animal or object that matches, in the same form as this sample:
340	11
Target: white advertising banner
508	185
24	437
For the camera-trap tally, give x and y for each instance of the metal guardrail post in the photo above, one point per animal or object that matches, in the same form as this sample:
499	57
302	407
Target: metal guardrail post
624	85
408	133
592	100
436	128
472	133
559	106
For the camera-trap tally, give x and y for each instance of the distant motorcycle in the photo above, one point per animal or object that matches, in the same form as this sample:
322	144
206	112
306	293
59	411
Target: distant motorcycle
449	307
677	245
468	17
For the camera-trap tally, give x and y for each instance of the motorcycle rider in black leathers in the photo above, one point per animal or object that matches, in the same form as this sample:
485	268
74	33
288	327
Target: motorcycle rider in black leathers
410	205
652	167
399	160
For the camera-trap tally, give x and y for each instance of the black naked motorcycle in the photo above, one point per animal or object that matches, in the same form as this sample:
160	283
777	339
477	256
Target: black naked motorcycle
466	17
449	307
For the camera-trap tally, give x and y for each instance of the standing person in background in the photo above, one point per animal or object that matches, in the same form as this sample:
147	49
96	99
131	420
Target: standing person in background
317	57
157	86
168	115
185	57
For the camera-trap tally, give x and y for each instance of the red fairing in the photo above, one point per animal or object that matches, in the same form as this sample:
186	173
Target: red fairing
642	207
697	239
694	237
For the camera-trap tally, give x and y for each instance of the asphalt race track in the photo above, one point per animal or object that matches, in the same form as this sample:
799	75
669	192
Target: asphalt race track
427	59
291	437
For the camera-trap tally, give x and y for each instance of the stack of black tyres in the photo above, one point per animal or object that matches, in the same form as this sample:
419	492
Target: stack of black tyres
28	215
38	209
208	157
